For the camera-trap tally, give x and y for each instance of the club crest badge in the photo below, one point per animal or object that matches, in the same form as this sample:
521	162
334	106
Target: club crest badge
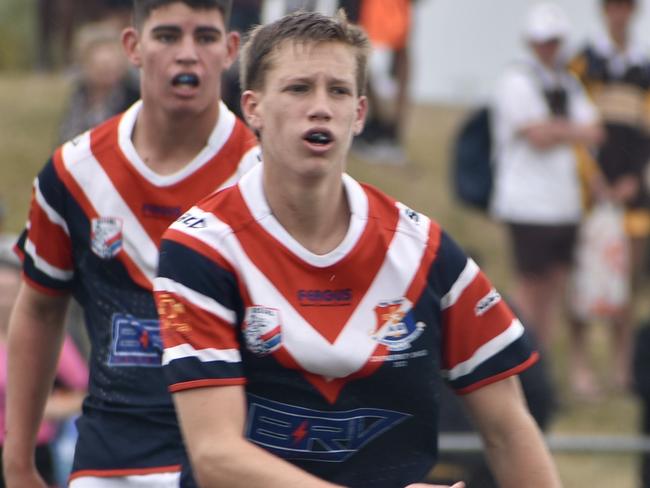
396	327
106	236
262	330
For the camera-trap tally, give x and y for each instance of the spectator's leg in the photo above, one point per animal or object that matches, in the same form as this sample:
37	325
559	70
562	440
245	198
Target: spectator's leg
582	378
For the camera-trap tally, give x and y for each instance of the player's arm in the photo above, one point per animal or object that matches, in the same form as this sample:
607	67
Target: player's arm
212	420
36	331
514	445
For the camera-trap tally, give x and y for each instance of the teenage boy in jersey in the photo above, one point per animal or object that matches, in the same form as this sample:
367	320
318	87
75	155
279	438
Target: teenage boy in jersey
99	209
307	319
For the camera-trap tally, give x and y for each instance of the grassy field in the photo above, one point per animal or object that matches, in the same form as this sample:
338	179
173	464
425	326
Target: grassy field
30	107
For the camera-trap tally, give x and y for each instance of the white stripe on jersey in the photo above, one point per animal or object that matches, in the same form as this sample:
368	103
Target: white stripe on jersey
106	200
497	344
52	214
205	303
207	355
464	279
353	347
44	266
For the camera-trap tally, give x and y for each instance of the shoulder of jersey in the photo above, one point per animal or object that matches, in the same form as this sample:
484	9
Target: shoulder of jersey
410	220
96	139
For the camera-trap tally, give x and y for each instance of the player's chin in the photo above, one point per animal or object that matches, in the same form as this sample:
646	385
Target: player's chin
186	106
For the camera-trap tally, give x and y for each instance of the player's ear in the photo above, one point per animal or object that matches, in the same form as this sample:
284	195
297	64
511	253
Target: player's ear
362	111
131	45
233	40
250	105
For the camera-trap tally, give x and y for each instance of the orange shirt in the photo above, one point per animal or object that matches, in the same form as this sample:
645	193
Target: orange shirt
387	22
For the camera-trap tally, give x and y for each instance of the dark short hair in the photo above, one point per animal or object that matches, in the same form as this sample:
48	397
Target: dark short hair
301	27
143	8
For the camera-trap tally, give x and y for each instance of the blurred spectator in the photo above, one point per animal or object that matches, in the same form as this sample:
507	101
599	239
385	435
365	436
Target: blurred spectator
388	24
540	115
57	21
71	380
244	15
616	72
104	86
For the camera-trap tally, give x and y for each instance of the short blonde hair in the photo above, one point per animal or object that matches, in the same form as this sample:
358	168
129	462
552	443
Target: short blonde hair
301	27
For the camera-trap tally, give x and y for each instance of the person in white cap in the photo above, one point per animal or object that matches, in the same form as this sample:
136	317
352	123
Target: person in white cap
540	116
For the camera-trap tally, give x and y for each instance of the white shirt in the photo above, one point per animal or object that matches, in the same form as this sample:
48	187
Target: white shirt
535	186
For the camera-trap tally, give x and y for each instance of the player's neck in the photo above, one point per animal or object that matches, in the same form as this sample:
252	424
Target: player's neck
169	143
318	216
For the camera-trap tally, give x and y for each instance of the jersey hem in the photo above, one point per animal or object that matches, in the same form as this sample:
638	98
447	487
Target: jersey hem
43	289
189	385
115	473
534	357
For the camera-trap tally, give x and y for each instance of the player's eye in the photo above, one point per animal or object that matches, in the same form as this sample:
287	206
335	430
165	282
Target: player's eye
340	90
165	37
207	38
297	88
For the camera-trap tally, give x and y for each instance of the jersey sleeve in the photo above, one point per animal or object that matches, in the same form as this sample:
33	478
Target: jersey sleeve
482	340
45	246
199	306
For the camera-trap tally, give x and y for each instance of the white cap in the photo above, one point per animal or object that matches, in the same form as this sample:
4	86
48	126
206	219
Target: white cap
546	21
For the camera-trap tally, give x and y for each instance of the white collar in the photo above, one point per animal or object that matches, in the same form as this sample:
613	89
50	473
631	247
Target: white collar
217	139
252	191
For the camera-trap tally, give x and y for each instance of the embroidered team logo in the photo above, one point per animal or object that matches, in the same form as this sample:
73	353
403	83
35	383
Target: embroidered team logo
106	236
396	327
262	330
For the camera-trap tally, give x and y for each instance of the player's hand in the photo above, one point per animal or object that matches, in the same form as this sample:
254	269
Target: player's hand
460	484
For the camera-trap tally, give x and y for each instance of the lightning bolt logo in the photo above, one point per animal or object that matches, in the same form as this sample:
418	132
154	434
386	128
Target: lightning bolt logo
300	432
144	339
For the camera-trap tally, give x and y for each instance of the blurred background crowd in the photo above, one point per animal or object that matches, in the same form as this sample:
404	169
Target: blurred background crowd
568	209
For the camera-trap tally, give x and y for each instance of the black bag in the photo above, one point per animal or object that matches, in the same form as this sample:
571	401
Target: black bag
471	160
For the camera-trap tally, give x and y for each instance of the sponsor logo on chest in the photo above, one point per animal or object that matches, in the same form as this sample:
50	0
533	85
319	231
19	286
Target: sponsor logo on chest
136	342
295	432
324	298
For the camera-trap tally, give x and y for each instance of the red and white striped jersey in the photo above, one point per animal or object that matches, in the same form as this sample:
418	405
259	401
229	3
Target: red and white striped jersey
341	353
96	220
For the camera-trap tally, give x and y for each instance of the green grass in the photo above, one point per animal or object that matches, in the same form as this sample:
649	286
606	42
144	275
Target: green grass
31	107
